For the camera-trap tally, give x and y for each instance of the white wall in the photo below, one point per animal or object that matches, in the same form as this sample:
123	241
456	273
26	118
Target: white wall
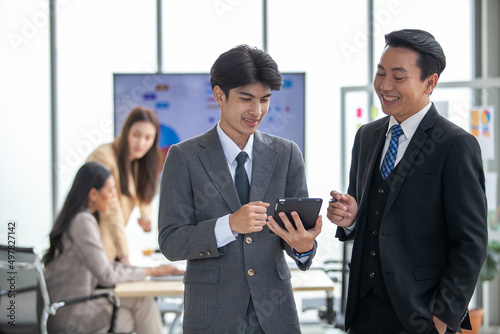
25	168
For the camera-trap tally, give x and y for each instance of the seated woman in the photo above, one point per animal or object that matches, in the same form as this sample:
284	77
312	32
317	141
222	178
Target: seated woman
76	263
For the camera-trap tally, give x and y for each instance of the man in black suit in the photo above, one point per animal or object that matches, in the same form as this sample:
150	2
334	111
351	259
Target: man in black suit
416	205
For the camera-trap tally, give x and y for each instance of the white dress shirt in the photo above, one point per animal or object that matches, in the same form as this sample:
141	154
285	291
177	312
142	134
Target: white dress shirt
223	233
409	126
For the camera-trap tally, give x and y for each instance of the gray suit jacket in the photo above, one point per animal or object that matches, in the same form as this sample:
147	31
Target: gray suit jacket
77	271
196	190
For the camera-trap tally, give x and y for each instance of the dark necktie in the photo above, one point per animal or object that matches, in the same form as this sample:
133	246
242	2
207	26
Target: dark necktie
241	178
392	151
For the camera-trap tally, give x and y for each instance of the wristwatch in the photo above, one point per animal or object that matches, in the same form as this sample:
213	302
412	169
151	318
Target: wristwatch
301	255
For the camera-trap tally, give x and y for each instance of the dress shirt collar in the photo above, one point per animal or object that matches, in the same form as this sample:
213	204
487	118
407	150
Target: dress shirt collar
231	150
411	124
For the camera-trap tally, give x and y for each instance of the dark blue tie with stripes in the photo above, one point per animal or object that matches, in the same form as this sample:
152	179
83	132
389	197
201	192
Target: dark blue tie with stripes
392	151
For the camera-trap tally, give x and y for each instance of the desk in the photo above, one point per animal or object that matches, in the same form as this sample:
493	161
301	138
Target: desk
314	279
149	288
311	280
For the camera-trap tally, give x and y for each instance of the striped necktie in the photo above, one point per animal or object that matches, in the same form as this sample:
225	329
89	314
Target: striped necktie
392	151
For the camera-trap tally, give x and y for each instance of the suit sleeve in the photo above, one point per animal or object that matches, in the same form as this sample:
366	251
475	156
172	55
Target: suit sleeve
112	222
353	172
465	210
86	238
179	235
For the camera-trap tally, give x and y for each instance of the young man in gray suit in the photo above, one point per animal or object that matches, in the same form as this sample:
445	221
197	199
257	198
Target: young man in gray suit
237	279
416	204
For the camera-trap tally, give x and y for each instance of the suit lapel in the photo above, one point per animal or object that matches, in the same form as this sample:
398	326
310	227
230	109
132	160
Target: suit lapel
264	162
377	139
406	165
214	162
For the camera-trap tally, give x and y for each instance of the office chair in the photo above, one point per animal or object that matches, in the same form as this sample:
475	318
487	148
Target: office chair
173	306
338	270
330	310
24	294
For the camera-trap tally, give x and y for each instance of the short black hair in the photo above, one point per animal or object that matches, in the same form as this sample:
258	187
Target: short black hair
243	65
431	56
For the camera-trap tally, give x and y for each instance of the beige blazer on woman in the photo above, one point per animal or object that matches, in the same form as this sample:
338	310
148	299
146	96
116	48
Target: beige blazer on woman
113	221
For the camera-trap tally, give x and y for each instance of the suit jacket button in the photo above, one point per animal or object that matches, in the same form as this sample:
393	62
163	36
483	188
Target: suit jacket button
208	253
248	240
372	274
201	254
250	272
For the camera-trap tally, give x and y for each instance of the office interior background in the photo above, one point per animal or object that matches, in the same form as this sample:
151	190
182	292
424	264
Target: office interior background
56	84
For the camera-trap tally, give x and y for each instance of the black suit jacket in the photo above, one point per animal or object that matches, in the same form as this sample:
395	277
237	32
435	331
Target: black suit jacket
433	234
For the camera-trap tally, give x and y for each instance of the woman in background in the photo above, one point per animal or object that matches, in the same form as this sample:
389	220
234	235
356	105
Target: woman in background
76	264
134	160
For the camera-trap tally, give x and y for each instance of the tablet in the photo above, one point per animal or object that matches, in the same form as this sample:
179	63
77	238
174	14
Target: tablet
307	208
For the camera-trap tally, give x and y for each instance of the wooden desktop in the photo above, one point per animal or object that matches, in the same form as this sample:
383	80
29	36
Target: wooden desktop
311	280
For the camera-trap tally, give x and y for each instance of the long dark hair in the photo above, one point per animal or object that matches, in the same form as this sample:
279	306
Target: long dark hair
89	176
148	166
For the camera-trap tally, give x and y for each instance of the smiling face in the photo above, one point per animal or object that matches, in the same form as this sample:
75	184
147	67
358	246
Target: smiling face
242	110
399	87
140	139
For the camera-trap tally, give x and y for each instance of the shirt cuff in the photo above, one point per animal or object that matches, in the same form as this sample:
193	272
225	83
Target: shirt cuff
303	258
223	233
348	230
